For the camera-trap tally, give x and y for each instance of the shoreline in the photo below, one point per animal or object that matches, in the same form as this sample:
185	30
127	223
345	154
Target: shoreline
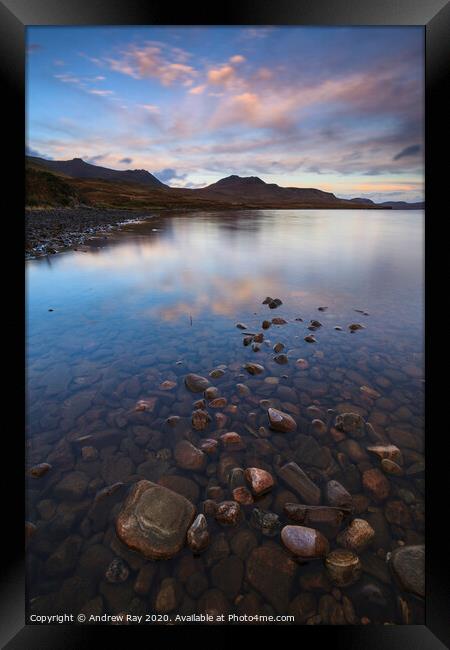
49	231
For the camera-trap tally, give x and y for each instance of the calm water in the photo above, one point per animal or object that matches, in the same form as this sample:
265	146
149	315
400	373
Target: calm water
161	299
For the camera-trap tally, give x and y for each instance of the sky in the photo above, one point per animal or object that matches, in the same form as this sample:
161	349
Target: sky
336	108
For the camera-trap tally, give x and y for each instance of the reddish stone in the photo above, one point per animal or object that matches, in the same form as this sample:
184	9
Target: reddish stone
228	513
260	481
232	441
243	496
189	457
376	483
305	542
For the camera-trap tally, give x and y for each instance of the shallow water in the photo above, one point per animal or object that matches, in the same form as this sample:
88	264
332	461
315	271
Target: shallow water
161	299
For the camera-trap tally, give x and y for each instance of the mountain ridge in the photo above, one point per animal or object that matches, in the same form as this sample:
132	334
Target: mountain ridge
96	185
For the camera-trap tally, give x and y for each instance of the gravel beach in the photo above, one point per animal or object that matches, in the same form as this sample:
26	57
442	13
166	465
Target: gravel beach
50	231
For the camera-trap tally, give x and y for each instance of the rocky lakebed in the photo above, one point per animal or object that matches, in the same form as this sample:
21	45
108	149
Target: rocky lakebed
277	484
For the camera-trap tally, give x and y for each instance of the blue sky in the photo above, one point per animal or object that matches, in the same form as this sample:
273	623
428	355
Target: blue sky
340	109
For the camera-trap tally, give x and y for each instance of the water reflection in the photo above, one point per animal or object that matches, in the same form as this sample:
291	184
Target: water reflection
161	299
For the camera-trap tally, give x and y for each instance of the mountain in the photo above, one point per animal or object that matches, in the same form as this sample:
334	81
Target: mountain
75	182
403	205
78	168
254	189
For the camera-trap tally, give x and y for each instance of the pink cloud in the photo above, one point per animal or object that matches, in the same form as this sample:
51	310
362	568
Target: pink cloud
237	58
197	90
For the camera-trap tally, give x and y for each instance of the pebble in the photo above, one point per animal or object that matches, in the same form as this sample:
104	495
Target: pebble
303	364
266	324
211	393
357	536
337	495
241	326
117	571
198	534
356	326
389	467
280	421
296	479
408	566
196	383
270	571
267	522
304	542
343	567
228	513
376	484
350	423
281	359
279	321
253	368
189	457
260	481
39	470
200	419
310	338
278	347
390	452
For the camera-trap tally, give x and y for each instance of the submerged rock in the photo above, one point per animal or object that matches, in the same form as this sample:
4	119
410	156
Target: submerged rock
271	572
260	481
310	338
196	383
189	457
253	368
376	484
390	452
154	521
117	571
198	534
408	566
280	421
304	542
351	423
281	359
200	419
228	513
39	470
267	522
343	567
357	536
300	483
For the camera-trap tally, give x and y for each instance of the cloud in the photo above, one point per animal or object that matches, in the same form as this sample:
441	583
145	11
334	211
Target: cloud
413	150
100	92
169	175
197	90
221	75
67	78
237	58
126	161
150	108
29	151
95	159
154	61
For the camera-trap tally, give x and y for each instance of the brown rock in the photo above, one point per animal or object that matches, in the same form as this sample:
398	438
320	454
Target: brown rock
144	579
232	441
304	542
253	368
350	423
300	483
280	421
260	481
376	484
397	513
357	536
343	567
218	403
168	596
181	485
242	495
196	383
198	534
337	495
271	572
39	470
390	452
228	513
209	446
154	520
189	457
200	419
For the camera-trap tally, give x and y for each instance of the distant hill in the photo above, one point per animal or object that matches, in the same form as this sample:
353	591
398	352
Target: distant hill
403	205
78	168
75	182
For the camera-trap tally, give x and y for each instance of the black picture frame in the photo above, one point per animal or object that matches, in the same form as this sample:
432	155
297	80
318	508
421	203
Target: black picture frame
15	16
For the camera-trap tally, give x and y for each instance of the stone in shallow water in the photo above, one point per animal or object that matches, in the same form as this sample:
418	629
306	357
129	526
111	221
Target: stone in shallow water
196	383
189	457
254	368
376	484
260	481
267	522
304	542
408	565
357	536
154	521
390	452
117	571
343	567
351	423
337	495
39	470
228	513
280	421
271	572
200	419
198	534
300	483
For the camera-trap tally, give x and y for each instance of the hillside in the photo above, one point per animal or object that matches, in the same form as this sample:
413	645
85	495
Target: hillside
75	182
